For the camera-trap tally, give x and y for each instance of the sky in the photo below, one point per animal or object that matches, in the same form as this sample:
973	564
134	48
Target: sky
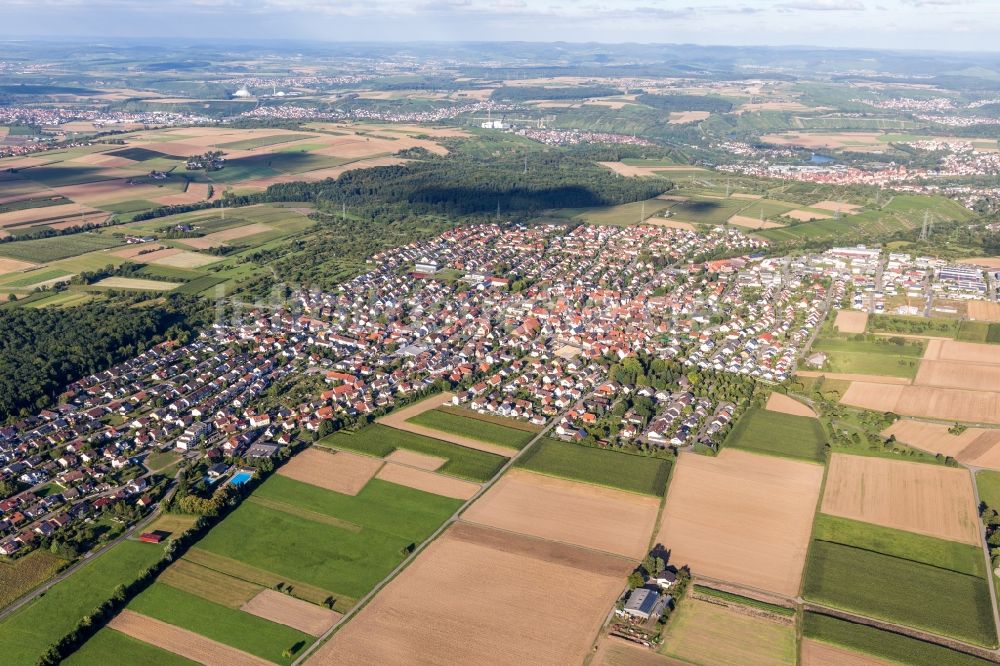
967	25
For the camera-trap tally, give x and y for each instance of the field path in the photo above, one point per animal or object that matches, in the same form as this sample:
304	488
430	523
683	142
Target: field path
181	641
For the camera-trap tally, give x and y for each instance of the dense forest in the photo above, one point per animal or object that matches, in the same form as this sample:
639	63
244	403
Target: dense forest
470	184
42	350
525	93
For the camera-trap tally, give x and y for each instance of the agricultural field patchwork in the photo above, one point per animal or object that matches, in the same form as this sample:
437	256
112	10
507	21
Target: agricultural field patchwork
774	433
602	467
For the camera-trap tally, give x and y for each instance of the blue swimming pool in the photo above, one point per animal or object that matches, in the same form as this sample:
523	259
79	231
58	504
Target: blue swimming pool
240	478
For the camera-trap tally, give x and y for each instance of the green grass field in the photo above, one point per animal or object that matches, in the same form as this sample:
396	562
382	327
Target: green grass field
343	561
910	593
34	277
778	434
871	357
638	474
484	431
884	644
379	440
235	628
27	634
961	557
988	483
59	247
108	646
932	326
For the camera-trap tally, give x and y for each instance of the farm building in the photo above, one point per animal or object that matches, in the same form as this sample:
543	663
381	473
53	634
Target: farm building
151	537
645	603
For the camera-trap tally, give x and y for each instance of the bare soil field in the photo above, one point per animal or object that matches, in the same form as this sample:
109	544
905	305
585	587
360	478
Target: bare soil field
100	159
136	283
842	206
776	106
14	265
922	498
950	404
854	377
181	641
476	595
818	653
581	514
623	169
831	140
741	517
398	419
682	117
295	613
984	311
851	321
669	223
974	446
746	195
988	262
108	191
220	237
951	374
182	259
807	215
753	222
429	482
16	218
614	651
707	633
963	352
414	459
342	472
779	402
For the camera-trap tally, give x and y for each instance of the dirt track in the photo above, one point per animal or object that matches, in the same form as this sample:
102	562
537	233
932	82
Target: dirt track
181	641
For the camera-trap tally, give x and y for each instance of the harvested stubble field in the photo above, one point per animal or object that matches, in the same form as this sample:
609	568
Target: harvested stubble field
477	595
179	259
779	402
289	611
136	283
427	481
807	215
708	633
851	321
222	237
418	460
181	641
753	222
341	472
922	498
614	651
741	517
569	512
926	401
984	311
209	583
974	446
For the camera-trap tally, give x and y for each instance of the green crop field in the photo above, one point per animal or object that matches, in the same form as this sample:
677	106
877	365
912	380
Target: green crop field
898	590
973	331
234	628
344	561
59	247
779	434
885	644
961	557
37	202
261	141
379	440
638	474
34	277
489	418
108	646
140	154
484	431
706	210
27	634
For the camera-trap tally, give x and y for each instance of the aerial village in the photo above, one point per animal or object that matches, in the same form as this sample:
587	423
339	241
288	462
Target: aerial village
532	323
